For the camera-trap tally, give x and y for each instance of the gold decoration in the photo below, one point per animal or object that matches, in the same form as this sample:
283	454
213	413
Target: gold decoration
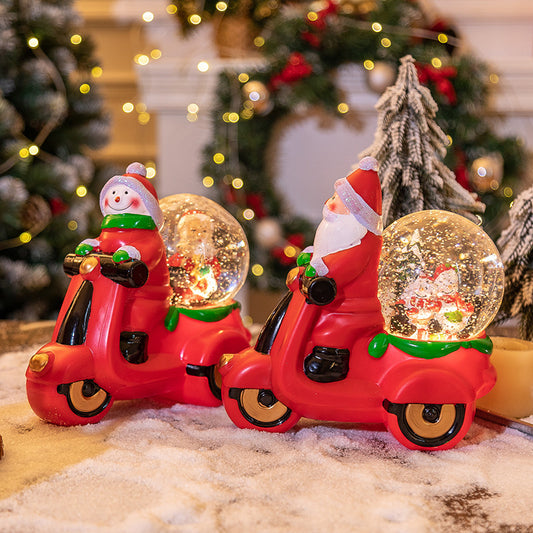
486	172
38	362
257	96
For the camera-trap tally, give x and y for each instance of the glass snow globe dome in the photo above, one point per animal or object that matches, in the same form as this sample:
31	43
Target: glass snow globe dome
440	277
207	251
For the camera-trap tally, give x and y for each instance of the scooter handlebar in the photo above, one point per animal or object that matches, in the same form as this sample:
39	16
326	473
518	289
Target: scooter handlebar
131	274
319	290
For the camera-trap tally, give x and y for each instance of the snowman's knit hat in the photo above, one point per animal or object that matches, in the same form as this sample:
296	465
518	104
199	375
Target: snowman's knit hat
135	178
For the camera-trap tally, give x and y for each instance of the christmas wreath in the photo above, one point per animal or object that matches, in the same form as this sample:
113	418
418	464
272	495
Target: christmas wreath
303	46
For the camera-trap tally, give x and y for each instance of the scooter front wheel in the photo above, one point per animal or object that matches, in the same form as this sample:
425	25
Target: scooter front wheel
258	409
429	426
86	399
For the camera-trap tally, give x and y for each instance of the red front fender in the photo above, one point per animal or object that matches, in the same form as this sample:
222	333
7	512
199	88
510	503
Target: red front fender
246	370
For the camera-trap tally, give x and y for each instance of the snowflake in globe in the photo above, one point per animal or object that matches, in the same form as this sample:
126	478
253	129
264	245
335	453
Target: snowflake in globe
207	251
440	277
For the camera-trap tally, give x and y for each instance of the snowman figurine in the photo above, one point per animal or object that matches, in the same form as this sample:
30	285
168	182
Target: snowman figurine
130	230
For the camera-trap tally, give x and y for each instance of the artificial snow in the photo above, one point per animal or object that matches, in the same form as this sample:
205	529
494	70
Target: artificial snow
146	468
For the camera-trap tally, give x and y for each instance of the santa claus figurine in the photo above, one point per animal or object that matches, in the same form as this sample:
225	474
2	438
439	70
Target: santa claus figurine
340	272
130	230
194	267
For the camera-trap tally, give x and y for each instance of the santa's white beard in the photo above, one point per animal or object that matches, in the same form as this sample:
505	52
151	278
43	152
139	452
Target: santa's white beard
336	232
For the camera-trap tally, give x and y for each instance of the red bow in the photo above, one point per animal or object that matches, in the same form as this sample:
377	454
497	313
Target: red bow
295	69
440	77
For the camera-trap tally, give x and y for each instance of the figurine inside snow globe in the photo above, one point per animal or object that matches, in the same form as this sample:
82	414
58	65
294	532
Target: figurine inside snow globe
440	278
207	252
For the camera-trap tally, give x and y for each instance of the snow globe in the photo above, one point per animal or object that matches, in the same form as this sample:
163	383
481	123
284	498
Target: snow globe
207	252
440	277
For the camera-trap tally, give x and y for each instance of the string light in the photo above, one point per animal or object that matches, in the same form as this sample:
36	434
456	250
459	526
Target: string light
203	66
193	108
377	27
156	53
24	153
385	42
97	72
81	191
248	214
221	6
343	108
192	117
33	149
257	270
436	62
195	19
243	77
85	88
150	170
172	9
141	59
290	251
25	237
368	64
143	118
233	117
148	16
75	39
72	225
237	183
494	78
219	158
442	38
208	181
33	42
312	16
259	41
128	107
507	192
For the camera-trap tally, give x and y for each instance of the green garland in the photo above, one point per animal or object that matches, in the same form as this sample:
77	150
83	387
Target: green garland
302	50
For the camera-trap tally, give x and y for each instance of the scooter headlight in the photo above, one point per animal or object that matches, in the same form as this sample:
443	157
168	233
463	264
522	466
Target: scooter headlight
38	362
225	359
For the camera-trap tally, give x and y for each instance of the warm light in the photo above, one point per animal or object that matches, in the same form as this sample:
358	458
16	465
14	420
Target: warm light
247	114
436	62
203	66
85	88
237	183
141	59
25	237
208	181
75	39
172	9
128	107
33	149
97	72
259	41
385	42
243	77
257	270
507	192
442	38
221	6
192	117
72	225
193	108
150	171
156	53
33	42
81	191
23	153
219	158
343	108
494	78
450	140
368	64
377	27
248	214
140	107
494	185
289	251
195	19
233	117
312	16
148	16
143	118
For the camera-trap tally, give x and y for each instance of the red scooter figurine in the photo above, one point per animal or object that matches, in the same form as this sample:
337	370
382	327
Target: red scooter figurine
324	353
123	331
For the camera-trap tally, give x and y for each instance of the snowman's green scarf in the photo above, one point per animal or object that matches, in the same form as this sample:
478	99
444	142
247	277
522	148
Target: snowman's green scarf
128	221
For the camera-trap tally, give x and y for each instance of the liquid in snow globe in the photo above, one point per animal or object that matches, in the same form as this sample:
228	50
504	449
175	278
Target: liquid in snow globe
440	277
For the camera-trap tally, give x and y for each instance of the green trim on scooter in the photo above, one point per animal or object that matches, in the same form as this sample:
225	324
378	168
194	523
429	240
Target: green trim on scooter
425	349
210	314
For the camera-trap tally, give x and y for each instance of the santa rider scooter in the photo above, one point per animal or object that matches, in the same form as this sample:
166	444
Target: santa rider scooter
116	336
324	354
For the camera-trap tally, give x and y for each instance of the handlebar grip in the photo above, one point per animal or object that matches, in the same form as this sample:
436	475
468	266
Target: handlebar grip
131	274
319	290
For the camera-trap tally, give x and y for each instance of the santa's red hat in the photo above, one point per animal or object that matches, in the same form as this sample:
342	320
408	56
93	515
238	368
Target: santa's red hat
360	192
135	178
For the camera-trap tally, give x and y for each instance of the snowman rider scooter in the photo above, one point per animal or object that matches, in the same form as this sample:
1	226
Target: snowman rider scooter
324	354
113	338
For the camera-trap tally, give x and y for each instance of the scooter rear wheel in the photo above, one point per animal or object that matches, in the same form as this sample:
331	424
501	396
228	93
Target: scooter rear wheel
429	426
258	409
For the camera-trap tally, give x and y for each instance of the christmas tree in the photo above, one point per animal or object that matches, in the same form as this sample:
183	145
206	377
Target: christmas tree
50	112
409	146
516	246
